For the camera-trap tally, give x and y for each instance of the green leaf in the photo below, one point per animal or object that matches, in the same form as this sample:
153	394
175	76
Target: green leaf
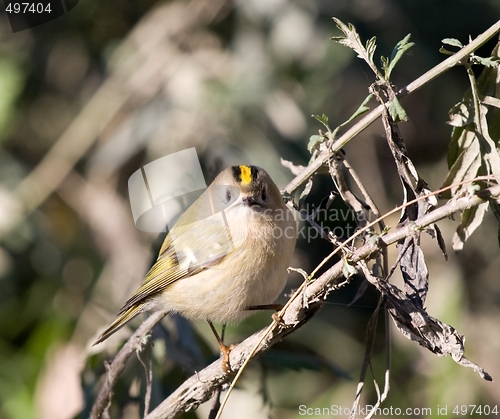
398	51
487	62
360	111
323	119
385	64
397	112
385	230
349	32
314	141
371	46
352	40
453	42
444	51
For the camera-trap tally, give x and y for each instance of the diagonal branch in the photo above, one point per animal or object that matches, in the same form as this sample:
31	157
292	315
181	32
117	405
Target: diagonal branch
371	117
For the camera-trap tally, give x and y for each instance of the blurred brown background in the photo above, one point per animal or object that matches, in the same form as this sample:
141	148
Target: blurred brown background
87	99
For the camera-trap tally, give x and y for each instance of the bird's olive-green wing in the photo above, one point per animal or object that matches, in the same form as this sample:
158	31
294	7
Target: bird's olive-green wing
178	260
164	272
119	322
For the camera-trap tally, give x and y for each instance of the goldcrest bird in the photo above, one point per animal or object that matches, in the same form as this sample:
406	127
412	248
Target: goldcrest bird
226	256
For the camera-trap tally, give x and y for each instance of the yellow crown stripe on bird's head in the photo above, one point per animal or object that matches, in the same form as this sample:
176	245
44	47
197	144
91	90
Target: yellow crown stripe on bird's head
246	175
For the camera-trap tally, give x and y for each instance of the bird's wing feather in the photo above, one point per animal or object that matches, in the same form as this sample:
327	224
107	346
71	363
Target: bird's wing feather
123	318
166	271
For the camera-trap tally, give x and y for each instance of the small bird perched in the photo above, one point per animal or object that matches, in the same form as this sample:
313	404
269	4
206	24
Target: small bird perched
227	254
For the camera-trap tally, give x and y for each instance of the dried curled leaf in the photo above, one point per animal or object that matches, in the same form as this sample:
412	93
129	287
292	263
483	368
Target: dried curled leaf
473	148
348	269
471	220
305	192
295	169
414	270
411	258
461	114
465	159
441	242
495	208
415	324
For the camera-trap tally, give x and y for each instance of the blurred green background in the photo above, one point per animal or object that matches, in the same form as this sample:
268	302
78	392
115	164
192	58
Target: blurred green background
87	99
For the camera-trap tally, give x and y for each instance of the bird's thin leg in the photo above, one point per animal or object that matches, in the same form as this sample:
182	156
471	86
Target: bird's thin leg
224	349
275	307
223	332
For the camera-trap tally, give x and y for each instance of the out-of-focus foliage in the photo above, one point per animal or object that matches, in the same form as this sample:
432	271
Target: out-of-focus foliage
116	84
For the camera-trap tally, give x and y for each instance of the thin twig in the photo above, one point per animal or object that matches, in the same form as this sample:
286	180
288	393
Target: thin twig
118	364
252	353
148	372
396	209
369	340
368	199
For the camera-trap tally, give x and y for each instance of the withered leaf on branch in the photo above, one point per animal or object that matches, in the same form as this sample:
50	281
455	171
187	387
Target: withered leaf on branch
414	270
411	257
471	219
473	149
415	324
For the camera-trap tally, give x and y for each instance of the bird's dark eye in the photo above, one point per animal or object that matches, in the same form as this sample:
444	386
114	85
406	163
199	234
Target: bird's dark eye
264	194
228	195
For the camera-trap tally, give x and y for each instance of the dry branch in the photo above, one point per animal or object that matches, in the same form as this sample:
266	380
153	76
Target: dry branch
133	344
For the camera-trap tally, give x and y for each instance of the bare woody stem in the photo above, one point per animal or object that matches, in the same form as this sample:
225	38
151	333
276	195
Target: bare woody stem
133	344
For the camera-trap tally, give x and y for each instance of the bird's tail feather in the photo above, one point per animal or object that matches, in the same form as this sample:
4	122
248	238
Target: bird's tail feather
123	318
